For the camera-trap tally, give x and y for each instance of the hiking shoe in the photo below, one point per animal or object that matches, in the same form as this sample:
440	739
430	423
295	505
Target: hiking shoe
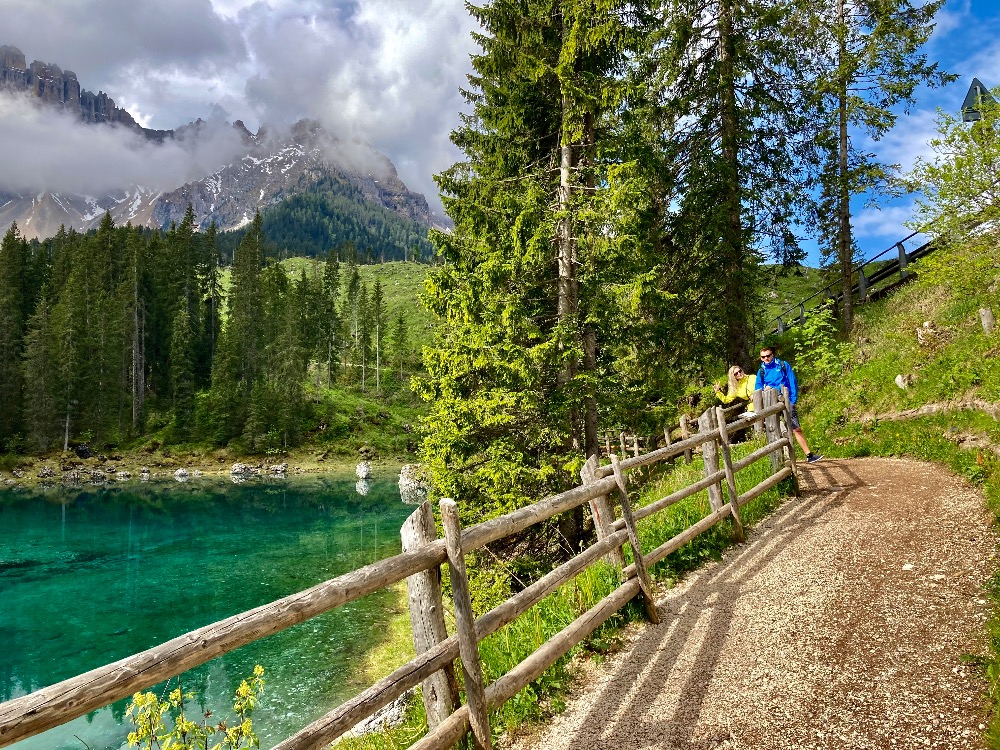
813	458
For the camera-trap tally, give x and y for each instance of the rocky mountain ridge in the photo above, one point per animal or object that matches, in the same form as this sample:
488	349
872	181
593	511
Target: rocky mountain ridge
268	168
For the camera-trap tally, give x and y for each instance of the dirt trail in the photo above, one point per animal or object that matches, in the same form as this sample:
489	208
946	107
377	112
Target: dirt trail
842	623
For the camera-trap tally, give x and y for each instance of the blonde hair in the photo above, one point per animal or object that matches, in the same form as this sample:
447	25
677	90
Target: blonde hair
734	382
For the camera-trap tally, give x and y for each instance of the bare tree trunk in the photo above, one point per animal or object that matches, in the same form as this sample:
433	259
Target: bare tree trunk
845	246
733	275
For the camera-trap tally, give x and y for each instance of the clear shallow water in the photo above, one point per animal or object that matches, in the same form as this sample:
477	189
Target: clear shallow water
91	576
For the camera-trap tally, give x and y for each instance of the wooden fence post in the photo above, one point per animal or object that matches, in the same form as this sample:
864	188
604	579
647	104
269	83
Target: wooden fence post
685	434
603	513
621	442
903	273
710	455
788	428
666	436
772	429
862	286
440	690
465	621
758	406
633	538
635	445
607	442
986	319
802	313
727	458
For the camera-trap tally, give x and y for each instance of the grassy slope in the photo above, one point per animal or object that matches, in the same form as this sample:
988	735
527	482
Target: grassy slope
840	411
784	291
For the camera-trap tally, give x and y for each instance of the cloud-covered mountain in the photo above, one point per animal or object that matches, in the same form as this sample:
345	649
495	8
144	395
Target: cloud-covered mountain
69	167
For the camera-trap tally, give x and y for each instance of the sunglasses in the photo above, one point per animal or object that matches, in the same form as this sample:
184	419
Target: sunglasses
766	357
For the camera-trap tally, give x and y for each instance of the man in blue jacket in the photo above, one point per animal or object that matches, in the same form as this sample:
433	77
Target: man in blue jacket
776	373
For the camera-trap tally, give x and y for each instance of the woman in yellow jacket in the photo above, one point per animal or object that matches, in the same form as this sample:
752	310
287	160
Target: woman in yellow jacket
741	385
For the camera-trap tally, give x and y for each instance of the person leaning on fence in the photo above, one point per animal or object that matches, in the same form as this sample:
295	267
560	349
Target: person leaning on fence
740	386
776	373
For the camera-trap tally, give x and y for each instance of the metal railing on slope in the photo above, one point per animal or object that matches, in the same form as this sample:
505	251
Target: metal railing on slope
863	289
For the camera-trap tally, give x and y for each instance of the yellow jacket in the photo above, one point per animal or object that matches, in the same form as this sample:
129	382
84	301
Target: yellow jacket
744	390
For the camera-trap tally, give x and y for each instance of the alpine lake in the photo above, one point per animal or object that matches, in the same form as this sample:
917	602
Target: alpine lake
94	574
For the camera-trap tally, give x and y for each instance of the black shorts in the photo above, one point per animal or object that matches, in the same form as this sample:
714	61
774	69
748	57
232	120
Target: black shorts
795	417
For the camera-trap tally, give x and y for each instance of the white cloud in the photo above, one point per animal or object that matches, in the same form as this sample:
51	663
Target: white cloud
887	223
56	152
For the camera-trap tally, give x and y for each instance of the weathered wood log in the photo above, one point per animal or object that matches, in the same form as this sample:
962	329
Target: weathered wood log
660	454
787	416
673	497
685	434
556	647
54	705
758	407
621	442
727	460
465	626
602	511
764	486
446	735
330	727
633	538
674	544
771	427
758	454
440	690
478	536
710	455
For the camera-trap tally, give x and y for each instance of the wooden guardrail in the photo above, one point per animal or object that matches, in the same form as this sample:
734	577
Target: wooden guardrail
420	564
890	262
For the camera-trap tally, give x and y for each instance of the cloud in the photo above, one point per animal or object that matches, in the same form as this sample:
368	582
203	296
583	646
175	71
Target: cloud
114	45
45	149
382	71
886	224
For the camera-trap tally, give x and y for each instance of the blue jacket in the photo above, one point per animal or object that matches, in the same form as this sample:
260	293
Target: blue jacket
775	374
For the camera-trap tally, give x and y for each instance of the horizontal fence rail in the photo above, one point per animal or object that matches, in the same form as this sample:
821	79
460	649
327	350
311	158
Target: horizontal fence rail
604	488
891	262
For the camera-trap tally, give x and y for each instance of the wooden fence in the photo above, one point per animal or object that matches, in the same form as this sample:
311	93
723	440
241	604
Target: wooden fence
420	565
889	266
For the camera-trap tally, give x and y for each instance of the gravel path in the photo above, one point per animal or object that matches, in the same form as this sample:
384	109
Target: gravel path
840	624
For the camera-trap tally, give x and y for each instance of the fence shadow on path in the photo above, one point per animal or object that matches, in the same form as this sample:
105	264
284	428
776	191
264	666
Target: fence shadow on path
695	626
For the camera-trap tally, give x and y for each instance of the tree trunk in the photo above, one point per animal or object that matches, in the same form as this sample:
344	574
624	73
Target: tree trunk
845	255
733	274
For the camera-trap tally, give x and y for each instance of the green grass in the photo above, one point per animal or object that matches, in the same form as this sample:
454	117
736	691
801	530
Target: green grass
503	650
784	291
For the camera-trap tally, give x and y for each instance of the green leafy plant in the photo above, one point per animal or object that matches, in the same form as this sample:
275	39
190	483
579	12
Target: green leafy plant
149	714
817	350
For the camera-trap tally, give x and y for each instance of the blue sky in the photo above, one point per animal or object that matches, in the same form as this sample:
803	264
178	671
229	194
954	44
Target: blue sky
966	41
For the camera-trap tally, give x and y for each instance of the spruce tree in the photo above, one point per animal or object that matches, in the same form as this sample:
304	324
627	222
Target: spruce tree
867	62
400	344
14	301
330	323
183	353
238	363
379	316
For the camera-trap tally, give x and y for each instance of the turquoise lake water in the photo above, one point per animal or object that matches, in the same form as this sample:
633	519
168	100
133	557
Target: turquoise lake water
91	576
